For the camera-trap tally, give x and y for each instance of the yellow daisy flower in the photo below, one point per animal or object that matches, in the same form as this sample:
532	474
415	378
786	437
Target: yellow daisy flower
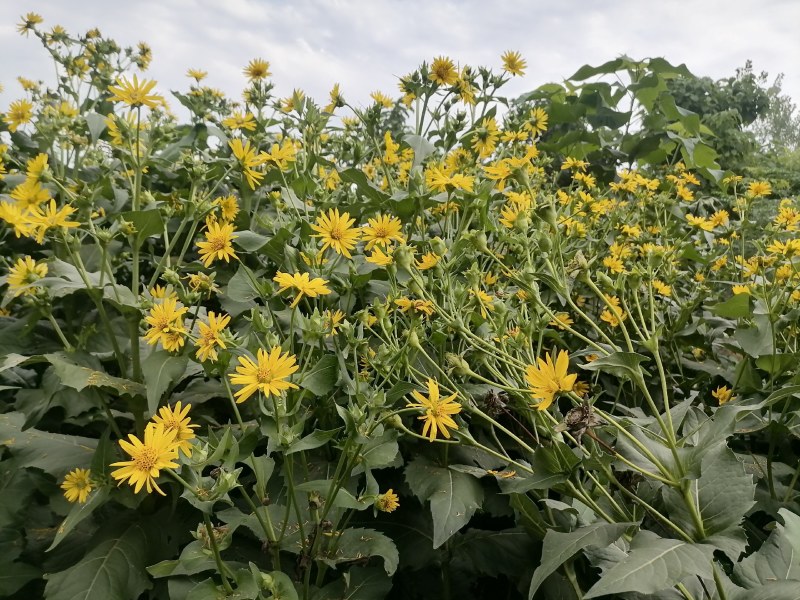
337	232
157	451
547	378
77	485
304	285
438	411
210	336
177	420
218	243
268	374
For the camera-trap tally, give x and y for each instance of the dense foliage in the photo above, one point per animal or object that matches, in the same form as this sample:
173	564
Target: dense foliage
435	347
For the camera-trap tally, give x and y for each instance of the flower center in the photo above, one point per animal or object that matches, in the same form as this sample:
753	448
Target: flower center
218	243
146	459
264	375
337	233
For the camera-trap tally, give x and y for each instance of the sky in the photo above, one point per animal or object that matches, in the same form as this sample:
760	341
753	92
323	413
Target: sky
366	45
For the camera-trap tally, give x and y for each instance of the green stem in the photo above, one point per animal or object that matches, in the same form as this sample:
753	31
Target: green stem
217	558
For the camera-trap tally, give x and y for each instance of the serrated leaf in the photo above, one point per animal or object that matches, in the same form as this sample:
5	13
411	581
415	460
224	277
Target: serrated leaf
161	369
560	547
776	560
454	497
358	544
79	377
112	569
654	564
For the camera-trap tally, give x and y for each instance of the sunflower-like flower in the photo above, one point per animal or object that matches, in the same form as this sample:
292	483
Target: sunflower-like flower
211	336
268	374
513	63
337	231
166	324
548	378
387	502
443	71
177	419
135	93
51	217
23	274
257	69
77	485
439	411
158	451
303	283
382	230
249	160
218	243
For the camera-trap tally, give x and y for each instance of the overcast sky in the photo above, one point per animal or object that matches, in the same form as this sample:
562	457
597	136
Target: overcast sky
365	45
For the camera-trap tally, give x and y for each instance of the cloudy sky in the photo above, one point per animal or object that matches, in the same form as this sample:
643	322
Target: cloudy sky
365	45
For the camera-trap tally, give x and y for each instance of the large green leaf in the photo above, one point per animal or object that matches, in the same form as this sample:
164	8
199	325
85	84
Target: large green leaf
357	544
78	377
560	547
52	452
621	364
454	496
14	575
654	564
778	559
321	378
161	370
114	568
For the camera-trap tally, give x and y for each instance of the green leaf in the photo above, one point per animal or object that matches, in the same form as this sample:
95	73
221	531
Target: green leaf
262	466
240	288
11	360
621	364
454	496
560	547
756	341
161	369
654	564
113	568
78	377
193	559
777	559
421	146
78	513
147	222
52	452
96	124
250	241
493	553
315	439
364	185
735	307
358	544
775	590
14	575
321	378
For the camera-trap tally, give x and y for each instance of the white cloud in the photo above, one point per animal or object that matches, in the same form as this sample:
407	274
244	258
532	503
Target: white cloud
366	44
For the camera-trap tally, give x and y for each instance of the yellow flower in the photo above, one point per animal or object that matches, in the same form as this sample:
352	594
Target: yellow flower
156	452
380	258
613	315
267	375
484	139
700	222
428	261
24	273
381	231
177	419
304	285
51	217
228	207
19	113
166	324
548	378
561	320
438	411
537	122
759	188
197	74
29	22
337	232
484	301
282	155
77	484
381	99
574	164
135	93
30	194
337	100
514	63
419	306
257	69
443	71
18	218
210	336
387	502
247	157
741	289
36	167
218	243
662	288
722	394
331	321
239	120
613	264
